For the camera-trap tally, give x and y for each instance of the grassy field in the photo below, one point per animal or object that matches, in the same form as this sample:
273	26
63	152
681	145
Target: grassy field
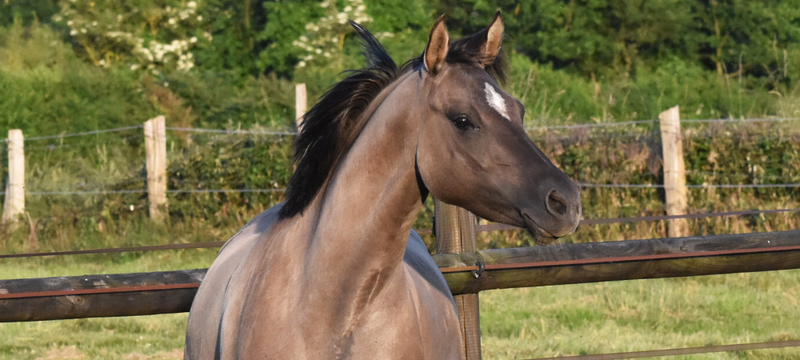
516	324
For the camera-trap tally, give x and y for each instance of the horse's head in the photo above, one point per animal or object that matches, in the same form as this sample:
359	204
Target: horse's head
473	150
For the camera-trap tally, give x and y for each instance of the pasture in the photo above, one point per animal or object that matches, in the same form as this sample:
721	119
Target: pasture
515	324
85	174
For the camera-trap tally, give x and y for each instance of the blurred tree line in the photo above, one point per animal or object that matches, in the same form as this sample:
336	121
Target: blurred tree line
81	65
605	49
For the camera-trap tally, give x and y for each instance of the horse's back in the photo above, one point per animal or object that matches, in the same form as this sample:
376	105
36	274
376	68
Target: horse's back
416	257
202	335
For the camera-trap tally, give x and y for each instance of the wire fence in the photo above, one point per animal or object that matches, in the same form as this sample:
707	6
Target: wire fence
490	227
290	133
478	228
280	190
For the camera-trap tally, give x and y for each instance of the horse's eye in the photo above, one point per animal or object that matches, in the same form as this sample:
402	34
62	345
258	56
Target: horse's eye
463	123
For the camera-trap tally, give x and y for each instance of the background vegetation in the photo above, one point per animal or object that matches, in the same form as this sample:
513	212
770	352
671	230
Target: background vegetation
77	65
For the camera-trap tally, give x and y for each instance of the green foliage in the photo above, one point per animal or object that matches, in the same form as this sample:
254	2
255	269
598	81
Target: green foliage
47	90
605	37
397	16
236	45
286	21
155	35
26	11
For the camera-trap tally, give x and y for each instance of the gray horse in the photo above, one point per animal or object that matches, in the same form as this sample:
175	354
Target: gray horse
332	273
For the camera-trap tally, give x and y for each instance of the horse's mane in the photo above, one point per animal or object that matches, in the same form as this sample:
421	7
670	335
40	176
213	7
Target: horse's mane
327	126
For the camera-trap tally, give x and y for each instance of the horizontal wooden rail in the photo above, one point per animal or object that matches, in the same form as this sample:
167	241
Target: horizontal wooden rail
173	291
620	260
98	295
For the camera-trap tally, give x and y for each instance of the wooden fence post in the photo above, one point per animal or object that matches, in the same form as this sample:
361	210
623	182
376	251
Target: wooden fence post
15	188
674	171
455	233
155	144
300	102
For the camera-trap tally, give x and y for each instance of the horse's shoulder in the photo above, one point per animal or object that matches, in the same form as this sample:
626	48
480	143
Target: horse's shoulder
419	259
202	336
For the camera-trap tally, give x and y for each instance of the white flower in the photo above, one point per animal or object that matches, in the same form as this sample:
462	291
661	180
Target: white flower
69	23
193	40
73	32
191	4
301	64
199	18
171	21
83	30
134	66
94	23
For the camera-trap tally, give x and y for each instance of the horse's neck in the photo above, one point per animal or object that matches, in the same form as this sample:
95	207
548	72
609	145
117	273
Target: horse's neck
366	211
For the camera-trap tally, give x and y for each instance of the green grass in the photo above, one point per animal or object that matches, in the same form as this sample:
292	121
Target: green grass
516	324
642	315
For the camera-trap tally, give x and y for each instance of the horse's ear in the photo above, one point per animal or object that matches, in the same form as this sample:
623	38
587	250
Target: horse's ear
436	50
494	38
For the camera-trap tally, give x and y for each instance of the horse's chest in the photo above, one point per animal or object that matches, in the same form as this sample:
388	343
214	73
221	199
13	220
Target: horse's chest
401	321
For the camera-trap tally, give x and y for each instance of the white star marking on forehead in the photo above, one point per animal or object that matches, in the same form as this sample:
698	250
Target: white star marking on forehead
496	101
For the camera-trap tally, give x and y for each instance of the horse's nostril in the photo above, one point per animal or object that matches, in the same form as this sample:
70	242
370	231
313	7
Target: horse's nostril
556	204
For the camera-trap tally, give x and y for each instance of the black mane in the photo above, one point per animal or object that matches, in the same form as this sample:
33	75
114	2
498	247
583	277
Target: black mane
327	126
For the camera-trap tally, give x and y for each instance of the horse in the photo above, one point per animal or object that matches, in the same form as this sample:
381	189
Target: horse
335	271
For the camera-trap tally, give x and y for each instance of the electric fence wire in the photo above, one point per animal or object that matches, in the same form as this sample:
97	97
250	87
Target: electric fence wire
86	133
691	186
639	122
237	132
144	191
290	133
279	190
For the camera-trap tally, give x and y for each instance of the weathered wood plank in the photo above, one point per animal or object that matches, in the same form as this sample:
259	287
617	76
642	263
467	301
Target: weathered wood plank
674	171
455	233
14	204
98	305
533	266
155	141
674	257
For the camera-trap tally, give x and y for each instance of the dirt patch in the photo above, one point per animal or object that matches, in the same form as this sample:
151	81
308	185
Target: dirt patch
63	352
163	355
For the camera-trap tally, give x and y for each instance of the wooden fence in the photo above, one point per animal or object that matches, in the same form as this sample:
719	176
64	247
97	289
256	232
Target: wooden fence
466	270
155	135
467	274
